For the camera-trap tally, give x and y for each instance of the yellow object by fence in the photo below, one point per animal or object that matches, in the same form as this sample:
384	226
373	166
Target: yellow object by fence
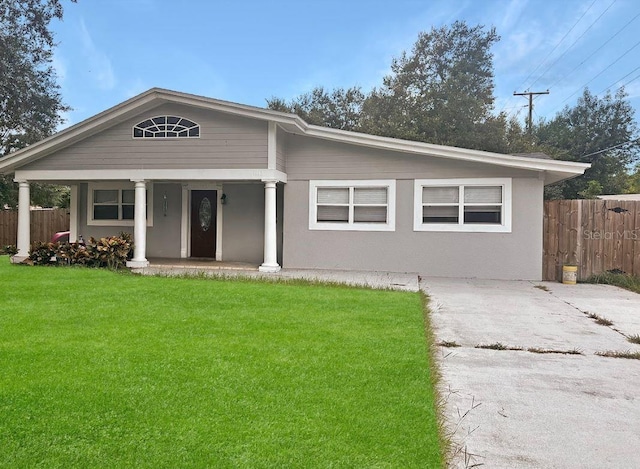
569	274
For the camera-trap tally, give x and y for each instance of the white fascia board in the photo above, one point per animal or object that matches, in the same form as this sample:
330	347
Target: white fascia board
152	175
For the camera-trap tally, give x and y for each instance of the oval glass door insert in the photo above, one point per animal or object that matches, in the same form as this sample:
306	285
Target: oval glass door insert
204	214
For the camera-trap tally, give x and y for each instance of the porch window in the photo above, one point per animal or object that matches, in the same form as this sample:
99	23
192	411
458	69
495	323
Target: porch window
114	204
166	127
481	205
352	205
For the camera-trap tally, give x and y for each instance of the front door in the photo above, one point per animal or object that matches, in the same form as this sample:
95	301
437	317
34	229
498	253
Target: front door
204	206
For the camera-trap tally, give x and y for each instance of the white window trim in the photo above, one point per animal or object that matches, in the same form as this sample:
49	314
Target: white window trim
143	137
390	184
116	186
504	227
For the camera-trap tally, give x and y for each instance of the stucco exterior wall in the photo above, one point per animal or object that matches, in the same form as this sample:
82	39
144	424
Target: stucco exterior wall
243	223
225	142
515	255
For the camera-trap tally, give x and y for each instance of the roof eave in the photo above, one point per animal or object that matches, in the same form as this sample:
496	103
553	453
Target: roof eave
557	170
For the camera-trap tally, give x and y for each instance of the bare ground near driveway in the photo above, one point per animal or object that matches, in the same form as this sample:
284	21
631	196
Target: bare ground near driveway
520	409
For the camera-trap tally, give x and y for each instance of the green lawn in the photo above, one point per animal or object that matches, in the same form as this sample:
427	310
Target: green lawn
104	369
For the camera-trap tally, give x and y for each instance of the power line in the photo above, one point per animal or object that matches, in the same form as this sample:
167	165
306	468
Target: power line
552	51
611	148
631	81
558	44
601	72
594	52
573	44
620	79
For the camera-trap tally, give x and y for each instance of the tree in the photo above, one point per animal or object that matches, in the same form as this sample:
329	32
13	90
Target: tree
30	100
340	109
441	92
633	182
600	131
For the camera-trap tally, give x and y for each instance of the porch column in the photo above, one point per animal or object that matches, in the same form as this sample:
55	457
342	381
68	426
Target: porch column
73	214
24	222
139	227
270	263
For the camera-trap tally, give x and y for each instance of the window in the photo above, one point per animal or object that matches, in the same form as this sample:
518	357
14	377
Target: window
352	205
166	127
481	205
113	204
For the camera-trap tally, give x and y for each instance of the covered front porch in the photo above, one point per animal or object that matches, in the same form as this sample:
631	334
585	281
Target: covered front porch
226	223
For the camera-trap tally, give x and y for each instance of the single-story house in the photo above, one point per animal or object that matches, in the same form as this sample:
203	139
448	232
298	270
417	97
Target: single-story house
198	177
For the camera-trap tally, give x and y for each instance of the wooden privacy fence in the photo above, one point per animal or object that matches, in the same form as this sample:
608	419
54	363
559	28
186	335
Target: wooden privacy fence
595	235
44	224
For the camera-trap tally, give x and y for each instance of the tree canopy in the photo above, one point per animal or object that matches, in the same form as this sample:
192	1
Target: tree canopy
441	92
30	100
600	131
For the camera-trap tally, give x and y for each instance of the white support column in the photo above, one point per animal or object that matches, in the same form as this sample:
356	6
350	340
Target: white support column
73	214
270	263
24	222
139	227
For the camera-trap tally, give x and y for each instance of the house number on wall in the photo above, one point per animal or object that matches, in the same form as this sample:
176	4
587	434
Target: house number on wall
204	214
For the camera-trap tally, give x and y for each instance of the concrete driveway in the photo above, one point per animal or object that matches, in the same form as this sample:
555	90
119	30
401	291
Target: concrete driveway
566	408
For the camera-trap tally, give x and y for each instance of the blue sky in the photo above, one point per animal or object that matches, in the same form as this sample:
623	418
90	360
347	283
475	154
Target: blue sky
248	51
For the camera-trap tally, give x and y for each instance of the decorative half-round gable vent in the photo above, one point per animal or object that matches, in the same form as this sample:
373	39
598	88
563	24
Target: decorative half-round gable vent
166	127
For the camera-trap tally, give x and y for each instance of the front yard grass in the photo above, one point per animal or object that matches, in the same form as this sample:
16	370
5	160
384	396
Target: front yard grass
104	369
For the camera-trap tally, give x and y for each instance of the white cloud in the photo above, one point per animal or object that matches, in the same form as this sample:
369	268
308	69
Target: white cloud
99	64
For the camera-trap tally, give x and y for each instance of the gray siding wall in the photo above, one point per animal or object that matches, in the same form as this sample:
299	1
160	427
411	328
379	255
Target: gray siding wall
313	158
226	142
163	238
281	164
515	255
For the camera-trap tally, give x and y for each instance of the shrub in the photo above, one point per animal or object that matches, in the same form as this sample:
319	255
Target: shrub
112	252
9	249
42	253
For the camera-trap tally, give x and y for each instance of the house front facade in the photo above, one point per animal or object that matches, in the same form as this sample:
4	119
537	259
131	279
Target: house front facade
194	177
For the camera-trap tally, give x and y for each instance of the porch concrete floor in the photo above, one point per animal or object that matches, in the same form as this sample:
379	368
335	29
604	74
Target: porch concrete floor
166	264
209	267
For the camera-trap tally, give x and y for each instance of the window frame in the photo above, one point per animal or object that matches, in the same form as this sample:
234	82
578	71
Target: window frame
350	225
461	226
119	186
173	137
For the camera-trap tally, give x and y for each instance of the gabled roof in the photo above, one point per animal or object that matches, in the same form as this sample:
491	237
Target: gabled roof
554	170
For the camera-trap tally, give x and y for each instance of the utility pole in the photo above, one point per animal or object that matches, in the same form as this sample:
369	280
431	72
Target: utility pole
531	94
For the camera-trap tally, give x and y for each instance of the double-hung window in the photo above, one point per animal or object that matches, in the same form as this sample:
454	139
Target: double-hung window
352	205
481	205
113	204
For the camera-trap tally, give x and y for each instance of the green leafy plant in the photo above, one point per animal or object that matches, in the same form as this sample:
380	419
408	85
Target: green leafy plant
111	252
9	249
42	253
